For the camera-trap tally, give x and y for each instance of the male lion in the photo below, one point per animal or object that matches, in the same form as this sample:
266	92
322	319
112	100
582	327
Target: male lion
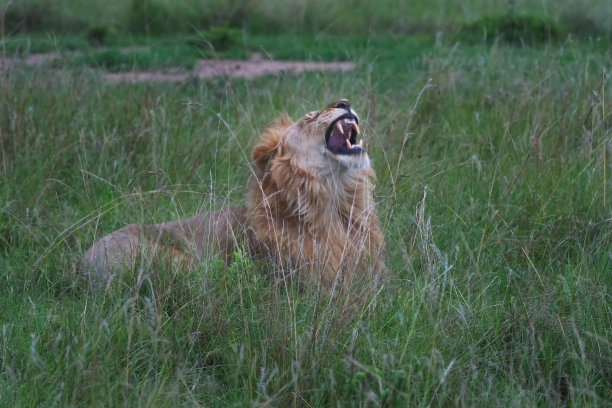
309	208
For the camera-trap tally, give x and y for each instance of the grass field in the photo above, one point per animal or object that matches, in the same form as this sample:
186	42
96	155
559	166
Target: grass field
493	161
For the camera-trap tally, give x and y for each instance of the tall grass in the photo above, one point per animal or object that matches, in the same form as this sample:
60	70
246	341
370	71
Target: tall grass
494	194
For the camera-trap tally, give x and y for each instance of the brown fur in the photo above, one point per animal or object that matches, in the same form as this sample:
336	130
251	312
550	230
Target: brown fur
311	212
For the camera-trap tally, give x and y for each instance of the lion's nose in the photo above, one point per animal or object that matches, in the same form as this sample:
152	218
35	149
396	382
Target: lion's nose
342	104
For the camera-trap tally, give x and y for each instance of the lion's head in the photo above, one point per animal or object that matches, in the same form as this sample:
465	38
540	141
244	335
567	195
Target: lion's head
310	198
328	136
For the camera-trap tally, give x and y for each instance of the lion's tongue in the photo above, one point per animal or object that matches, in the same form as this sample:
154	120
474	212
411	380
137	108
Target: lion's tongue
336	139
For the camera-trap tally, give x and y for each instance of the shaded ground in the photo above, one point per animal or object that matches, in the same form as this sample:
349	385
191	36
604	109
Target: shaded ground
243	68
32	59
205	68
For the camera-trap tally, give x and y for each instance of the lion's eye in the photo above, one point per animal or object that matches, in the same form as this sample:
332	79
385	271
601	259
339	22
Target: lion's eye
343	104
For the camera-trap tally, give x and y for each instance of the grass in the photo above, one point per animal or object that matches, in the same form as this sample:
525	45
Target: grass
494	195
274	16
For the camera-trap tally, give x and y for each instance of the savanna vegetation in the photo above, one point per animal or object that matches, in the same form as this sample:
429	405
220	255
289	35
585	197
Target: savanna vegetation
490	129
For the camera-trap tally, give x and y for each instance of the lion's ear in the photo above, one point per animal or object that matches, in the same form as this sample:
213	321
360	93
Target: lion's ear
269	141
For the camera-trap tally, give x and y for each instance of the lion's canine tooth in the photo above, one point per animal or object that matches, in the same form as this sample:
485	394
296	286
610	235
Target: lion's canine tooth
348	144
360	144
356	128
339	127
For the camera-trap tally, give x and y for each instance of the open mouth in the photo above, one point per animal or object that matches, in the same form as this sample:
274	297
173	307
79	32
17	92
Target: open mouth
341	136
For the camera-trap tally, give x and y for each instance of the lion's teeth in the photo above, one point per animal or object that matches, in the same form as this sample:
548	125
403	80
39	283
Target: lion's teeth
339	127
360	144
348	144
356	128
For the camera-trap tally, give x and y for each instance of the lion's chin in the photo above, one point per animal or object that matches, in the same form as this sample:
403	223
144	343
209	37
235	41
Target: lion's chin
359	161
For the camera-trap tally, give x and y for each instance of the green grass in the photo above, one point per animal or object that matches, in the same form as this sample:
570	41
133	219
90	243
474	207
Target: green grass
272	16
494	194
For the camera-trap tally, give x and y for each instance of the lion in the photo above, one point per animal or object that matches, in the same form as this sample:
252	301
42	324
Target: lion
309	210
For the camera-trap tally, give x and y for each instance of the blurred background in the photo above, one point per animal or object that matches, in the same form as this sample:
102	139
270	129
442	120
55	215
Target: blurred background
99	18
224	23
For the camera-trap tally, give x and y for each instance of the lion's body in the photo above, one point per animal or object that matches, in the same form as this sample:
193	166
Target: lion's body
310	210
192	238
